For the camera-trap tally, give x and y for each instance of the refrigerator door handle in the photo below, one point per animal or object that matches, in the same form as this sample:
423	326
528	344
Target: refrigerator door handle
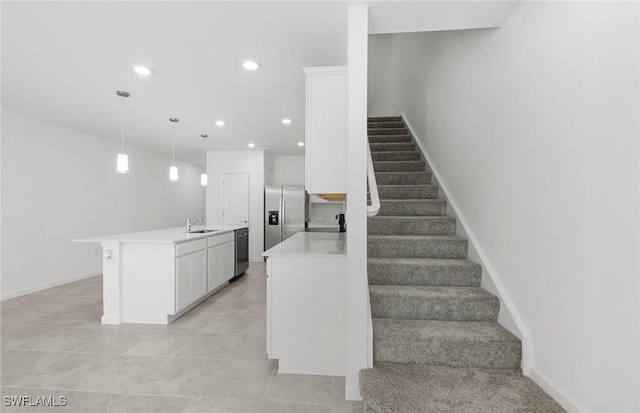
284	218
281	210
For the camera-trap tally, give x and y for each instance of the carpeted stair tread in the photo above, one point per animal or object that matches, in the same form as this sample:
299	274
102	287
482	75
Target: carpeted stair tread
395	156
389	138
393	147
387	131
399	166
433	303
408	191
385	124
384	119
423	271
446	343
412	207
437	344
415	388
411	225
403	178
416	246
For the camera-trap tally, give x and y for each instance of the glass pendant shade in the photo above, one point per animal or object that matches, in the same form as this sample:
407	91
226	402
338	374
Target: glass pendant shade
173	173
203	179
122	165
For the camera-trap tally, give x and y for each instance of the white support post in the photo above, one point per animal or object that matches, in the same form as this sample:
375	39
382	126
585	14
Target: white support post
357	285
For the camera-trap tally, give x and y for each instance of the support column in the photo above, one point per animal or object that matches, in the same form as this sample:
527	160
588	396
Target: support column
357	285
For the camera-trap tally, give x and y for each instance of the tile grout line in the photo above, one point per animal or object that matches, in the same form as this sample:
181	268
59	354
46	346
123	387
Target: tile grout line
173	356
248	295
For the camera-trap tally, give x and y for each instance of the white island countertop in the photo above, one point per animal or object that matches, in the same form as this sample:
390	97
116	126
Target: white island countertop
167	235
310	244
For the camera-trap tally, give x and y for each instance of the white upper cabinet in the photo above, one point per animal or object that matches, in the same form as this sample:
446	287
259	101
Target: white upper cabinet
326	129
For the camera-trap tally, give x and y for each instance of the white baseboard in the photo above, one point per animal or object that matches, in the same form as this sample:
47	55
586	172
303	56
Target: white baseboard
113	320
51	284
566	401
485	262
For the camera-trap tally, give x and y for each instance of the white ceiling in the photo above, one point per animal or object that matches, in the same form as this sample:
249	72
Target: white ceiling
424	16
64	61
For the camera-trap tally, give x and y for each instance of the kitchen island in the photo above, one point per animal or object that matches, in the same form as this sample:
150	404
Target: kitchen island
154	277
306	304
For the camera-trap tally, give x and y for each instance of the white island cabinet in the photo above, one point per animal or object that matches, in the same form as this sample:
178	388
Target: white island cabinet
221	253
191	273
154	277
306	304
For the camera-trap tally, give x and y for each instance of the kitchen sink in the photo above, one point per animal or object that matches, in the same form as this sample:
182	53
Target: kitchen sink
203	231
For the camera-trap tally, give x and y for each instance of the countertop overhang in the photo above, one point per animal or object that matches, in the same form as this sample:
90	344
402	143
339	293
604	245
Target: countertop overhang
167	235
311	244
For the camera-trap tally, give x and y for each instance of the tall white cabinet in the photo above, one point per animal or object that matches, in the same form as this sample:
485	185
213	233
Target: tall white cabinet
326	129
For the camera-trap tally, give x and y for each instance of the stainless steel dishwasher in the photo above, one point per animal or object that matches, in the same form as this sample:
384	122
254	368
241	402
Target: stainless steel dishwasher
242	251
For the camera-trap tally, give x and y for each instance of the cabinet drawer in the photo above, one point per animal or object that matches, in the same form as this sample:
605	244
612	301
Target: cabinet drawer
221	239
191	246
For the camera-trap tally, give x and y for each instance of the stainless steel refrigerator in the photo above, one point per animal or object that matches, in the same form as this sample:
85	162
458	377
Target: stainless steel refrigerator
285	213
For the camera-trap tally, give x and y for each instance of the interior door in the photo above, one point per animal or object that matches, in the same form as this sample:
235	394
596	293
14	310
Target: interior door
235	199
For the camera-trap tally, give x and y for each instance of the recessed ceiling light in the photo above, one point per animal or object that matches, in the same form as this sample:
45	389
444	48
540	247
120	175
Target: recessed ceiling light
251	145
250	65
219	123
142	70
286	121
300	143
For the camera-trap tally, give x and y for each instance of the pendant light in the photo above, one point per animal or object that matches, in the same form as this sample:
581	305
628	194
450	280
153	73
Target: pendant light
122	164
203	175
173	170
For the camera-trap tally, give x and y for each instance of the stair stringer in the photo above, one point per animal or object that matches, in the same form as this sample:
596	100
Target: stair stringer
508	316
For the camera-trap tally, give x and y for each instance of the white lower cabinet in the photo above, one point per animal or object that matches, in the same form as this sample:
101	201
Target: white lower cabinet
214	272
228	260
202	266
191	278
306	308
221	264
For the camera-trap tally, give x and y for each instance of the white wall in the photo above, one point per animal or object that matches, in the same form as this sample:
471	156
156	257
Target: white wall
251	162
59	184
534	129
288	170
381	70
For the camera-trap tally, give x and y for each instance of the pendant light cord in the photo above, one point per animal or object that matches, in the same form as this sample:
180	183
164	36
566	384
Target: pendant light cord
122	122
173	145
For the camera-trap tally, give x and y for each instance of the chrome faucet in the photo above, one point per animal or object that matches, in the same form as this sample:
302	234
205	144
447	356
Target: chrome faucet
189	223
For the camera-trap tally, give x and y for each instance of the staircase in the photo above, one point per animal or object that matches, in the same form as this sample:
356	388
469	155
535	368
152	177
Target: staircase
437	344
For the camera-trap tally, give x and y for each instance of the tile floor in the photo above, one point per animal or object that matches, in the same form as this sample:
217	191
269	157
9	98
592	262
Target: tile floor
210	360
